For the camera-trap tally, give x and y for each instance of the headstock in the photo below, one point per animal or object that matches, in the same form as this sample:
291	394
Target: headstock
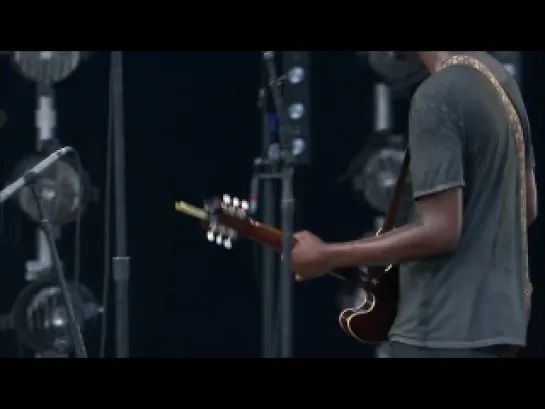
227	219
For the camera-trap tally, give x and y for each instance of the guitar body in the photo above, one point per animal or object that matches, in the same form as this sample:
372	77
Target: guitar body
370	306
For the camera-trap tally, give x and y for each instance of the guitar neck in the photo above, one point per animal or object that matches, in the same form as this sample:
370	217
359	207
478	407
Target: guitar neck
268	235
260	233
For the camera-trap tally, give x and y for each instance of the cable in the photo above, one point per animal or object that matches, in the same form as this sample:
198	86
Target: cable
107	209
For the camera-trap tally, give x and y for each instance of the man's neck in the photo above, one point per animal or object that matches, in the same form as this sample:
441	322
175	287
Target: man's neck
433	59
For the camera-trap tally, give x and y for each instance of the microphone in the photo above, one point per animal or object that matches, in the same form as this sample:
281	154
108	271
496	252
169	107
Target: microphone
254	190
30	174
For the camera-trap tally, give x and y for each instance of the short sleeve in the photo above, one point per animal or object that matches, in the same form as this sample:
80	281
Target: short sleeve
436	148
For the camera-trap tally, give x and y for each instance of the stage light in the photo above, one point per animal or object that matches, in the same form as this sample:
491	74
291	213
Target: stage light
296	93
374	171
46	66
296	111
63	188
375	174
40	319
296	75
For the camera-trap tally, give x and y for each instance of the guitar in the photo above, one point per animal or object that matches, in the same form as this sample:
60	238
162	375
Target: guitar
369	297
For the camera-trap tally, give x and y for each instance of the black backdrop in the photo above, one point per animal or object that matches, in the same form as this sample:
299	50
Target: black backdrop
192	130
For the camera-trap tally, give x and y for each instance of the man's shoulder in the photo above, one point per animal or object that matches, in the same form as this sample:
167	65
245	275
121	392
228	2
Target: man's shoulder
444	87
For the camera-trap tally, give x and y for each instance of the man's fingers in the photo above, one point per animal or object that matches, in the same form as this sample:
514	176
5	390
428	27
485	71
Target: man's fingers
300	235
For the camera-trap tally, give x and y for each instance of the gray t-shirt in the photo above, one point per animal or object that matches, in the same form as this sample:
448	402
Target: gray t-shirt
459	137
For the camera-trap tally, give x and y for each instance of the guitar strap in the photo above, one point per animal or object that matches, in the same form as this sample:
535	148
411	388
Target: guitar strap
517	131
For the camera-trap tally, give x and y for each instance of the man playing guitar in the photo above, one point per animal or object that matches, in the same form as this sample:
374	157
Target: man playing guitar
464	287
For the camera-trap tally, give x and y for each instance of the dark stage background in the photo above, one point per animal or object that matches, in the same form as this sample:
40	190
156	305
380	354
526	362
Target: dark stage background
192	130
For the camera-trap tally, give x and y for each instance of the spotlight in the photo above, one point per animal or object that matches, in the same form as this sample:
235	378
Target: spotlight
40	318
296	93
373	173
64	190
46	66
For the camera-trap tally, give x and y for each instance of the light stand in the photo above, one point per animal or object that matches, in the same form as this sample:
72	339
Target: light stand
46	119
73	326
268	259
121	261
287	211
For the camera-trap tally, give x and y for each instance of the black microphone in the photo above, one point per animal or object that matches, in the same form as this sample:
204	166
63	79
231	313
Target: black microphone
254	190
30	174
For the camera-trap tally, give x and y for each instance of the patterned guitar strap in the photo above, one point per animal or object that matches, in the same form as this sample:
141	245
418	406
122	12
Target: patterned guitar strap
516	128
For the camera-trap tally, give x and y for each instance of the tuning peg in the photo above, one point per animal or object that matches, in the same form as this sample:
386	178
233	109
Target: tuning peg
236	202
227	199
244	205
232	234
210	235
227	243
219	239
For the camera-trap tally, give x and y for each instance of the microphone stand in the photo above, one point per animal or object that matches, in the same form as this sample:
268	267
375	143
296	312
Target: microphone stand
121	261
287	165
47	228
268	260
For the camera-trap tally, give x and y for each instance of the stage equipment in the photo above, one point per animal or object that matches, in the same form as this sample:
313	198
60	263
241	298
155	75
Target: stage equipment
373	173
121	259
286	164
59	193
47	229
296	93
63	188
399	69
262	167
40	317
292	121
46	66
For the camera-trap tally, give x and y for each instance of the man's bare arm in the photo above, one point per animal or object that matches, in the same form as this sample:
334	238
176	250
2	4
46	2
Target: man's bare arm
436	232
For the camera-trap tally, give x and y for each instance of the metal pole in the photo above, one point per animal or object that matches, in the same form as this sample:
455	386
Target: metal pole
268	257
383	108
121	261
285	287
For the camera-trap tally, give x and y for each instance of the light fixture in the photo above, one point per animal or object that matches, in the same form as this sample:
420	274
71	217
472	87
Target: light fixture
374	171
40	319
296	93
46	66
64	190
